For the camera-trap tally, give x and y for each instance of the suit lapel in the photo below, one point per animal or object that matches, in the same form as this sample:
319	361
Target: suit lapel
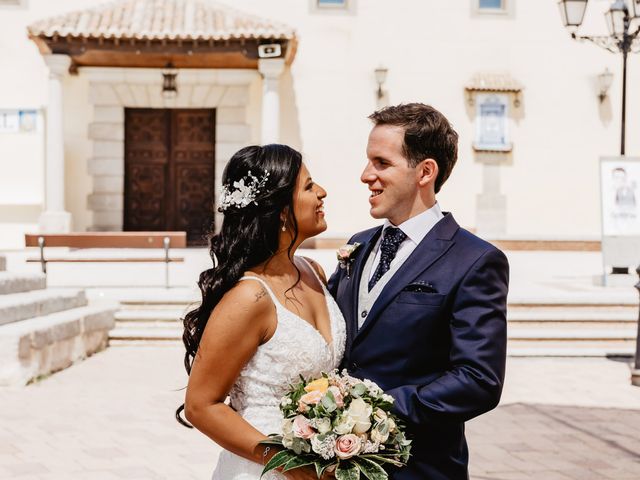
433	246
354	281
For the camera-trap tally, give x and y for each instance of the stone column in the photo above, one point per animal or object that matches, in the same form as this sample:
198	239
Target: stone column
55	218
271	69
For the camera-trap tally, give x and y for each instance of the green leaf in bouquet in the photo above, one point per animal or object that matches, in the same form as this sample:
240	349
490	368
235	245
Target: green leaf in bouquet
358	390
299	446
347	471
273	439
297	462
278	460
384	459
329	402
371	469
322	465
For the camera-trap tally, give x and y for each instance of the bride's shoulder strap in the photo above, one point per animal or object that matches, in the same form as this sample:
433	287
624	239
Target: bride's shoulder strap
264	284
312	266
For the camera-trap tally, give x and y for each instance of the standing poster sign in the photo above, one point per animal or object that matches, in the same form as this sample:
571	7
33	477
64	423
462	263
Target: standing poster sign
620	203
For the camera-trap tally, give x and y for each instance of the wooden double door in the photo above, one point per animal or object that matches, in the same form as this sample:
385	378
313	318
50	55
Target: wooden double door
169	171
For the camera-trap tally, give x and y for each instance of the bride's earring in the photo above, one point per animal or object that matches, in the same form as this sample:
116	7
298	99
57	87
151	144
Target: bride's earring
284	226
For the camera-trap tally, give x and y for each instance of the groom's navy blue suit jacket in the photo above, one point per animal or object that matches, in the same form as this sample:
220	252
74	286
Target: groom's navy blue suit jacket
435	340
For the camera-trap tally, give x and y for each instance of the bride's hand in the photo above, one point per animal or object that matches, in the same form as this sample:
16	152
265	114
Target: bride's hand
306	473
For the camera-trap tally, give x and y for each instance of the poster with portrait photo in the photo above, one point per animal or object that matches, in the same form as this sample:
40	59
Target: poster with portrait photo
620	191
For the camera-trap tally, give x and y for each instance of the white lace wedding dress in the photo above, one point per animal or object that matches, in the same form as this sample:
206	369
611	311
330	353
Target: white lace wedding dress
296	348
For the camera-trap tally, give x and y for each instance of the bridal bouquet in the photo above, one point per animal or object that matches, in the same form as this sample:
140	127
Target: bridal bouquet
342	424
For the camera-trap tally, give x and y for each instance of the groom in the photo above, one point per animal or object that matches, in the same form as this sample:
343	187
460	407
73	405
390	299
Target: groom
424	299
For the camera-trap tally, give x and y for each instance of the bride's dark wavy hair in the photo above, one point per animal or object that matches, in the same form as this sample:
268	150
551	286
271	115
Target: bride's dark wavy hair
249	235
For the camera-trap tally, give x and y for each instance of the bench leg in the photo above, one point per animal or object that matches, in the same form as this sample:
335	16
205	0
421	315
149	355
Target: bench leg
166	243
43	262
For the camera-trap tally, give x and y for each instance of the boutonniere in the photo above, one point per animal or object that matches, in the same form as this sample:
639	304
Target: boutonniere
346	255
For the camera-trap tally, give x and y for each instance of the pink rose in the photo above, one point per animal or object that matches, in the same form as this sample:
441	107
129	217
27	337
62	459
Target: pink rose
337	395
302	428
347	446
311	398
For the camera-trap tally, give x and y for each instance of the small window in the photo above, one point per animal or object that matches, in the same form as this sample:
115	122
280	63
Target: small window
332	6
332	3
491	4
492	132
492	8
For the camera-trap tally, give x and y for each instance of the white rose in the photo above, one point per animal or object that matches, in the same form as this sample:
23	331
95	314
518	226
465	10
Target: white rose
323	425
380	433
360	412
392	425
344	425
379	415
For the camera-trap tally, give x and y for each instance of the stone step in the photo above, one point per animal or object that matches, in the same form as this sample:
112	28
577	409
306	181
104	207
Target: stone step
42	345
571	351
17	283
536	334
21	306
3	263
151	315
115	342
568	316
137	334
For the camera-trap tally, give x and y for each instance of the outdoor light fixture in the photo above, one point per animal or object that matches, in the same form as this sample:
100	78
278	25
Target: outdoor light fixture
604	83
624	37
572	12
381	77
616	16
169	84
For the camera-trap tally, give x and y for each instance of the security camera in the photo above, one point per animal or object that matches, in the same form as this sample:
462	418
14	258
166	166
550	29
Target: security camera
269	50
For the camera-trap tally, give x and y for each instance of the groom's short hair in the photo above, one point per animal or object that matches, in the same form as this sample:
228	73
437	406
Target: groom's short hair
427	134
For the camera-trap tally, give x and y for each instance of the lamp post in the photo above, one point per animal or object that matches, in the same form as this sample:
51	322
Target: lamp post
622	37
635	373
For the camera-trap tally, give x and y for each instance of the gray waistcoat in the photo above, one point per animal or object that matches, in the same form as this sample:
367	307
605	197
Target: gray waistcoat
367	298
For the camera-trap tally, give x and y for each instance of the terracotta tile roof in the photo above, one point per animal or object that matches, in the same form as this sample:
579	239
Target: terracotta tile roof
162	20
493	82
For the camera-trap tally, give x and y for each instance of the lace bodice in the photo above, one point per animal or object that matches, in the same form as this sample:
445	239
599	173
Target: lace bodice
296	348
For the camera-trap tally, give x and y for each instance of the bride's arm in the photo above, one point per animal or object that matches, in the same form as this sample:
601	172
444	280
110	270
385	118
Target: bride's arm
244	319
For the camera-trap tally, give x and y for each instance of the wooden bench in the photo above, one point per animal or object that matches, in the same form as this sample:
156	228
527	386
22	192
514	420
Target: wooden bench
163	240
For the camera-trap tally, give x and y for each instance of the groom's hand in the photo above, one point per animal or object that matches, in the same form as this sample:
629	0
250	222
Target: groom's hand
306	473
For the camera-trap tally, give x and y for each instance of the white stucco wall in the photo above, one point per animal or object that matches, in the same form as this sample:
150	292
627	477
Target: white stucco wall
431	48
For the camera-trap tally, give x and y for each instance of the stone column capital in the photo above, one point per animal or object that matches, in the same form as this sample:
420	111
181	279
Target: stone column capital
271	68
57	63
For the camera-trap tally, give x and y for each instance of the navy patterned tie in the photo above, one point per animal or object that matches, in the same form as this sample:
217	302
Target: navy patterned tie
392	239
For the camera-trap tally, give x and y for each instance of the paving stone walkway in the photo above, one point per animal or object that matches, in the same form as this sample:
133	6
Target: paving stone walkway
111	417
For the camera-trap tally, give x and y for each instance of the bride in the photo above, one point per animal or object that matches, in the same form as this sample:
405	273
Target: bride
266	316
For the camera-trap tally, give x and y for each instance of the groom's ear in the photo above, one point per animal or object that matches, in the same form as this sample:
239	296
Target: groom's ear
427	172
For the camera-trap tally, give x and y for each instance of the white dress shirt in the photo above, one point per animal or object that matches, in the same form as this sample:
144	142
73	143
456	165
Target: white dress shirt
416	228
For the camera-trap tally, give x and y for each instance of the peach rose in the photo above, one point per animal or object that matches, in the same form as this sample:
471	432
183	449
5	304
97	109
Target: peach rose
311	398
347	446
302	428
321	385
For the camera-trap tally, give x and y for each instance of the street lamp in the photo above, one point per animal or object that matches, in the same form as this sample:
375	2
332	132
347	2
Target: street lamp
622	38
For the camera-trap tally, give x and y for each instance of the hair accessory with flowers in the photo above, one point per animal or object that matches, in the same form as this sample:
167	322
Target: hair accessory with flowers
345	255
243	193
